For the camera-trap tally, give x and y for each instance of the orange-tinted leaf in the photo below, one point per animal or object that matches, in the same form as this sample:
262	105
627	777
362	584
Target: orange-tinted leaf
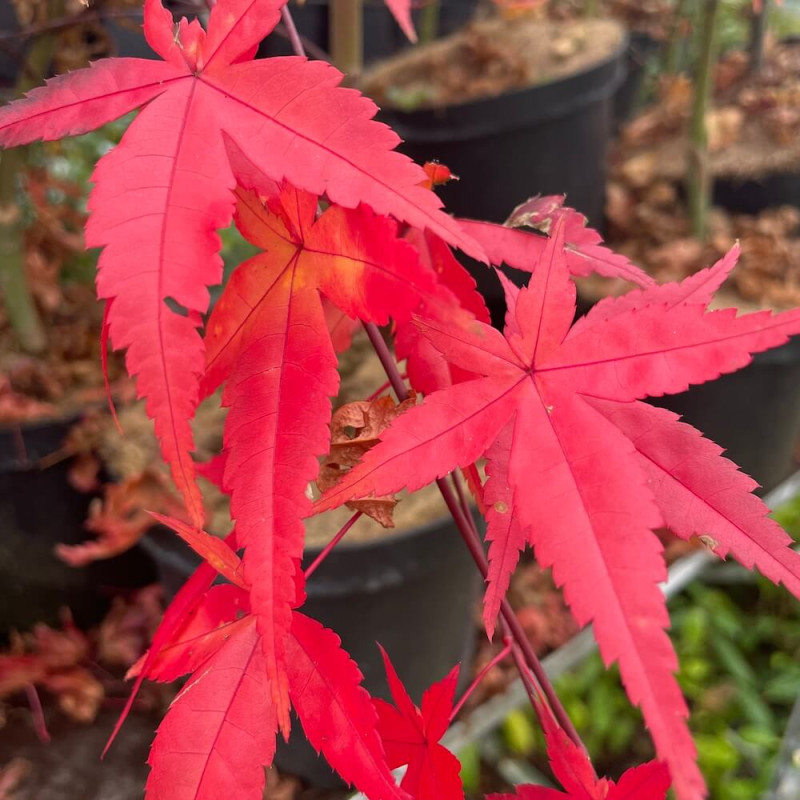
210	548
437	174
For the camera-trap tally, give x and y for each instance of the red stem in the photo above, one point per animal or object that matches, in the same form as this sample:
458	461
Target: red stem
291	31
541	708
537	701
462	499
479	677
331	544
472	539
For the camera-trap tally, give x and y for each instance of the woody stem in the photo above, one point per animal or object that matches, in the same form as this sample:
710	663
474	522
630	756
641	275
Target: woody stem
469	534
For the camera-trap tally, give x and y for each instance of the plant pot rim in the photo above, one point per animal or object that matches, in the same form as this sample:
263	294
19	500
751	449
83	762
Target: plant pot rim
557	97
390	539
50	430
409	535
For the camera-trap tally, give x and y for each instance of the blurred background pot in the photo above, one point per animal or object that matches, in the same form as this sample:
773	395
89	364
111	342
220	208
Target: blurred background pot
39	509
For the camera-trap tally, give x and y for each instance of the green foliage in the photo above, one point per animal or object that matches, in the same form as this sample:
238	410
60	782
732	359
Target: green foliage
519	732
470	759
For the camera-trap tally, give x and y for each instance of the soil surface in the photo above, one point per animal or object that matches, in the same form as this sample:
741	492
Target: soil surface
490	57
754	131
753	124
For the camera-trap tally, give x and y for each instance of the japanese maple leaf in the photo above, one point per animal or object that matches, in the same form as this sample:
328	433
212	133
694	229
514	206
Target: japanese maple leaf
583	472
411	736
164	191
219	734
267	339
585	252
457	299
574	772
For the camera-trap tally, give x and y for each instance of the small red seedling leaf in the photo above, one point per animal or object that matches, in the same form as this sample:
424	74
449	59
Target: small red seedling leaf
411	737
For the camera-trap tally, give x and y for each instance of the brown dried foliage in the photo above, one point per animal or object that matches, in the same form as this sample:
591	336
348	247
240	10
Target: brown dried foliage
355	428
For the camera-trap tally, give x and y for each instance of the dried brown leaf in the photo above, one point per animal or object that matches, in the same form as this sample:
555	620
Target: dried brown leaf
355	428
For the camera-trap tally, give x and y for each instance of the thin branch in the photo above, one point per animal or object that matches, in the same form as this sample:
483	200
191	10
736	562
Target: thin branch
699	178
331	544
311	49
462	499
347	35
535	699
758	33
479	677
291	32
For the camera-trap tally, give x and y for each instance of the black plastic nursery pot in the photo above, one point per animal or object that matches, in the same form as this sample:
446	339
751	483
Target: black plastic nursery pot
550	138
38	510
382	35
754	195
414	592
753	413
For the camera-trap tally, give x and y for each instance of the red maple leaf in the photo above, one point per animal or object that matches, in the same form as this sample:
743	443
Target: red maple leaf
161	195
411	737
219	732
401	11
584	472
584	250
575	773
454	301
267	339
